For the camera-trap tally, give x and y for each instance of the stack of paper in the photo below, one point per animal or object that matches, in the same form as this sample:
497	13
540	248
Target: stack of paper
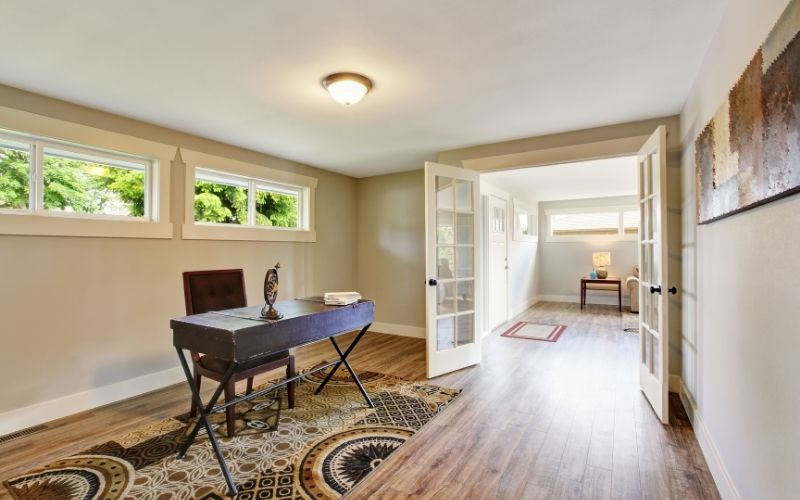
341	298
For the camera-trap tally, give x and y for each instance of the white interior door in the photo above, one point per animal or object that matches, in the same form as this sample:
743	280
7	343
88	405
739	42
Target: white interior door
452	256
653	261
498	262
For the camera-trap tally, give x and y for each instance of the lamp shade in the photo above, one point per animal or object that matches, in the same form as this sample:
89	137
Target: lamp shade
601	259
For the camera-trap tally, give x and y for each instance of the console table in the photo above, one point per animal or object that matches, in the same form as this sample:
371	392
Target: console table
607	284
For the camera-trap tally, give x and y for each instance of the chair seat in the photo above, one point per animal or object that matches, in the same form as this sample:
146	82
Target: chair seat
220	365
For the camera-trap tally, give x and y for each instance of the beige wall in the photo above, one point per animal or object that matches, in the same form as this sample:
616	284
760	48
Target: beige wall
391	246
81	313
565	262
741	337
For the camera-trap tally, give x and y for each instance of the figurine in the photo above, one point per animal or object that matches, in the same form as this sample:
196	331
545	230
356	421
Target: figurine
271	294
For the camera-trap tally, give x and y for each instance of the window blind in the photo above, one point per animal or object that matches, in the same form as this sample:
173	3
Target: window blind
589	223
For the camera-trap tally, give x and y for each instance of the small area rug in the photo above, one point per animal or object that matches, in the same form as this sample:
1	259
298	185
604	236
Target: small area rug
535	331
630	322
322	448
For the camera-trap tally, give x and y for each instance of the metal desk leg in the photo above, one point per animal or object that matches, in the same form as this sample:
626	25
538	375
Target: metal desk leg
343	361
203	411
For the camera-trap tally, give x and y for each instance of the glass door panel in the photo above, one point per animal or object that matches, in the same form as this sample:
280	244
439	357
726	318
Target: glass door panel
452	281
455	242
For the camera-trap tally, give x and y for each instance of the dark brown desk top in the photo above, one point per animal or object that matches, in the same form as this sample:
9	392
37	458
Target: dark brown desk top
241	334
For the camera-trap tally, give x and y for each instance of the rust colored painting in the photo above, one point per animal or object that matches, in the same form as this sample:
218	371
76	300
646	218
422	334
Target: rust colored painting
749	154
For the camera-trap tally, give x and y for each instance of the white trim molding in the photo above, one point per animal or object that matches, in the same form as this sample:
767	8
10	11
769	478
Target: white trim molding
521	308
401	330
45	131
45	411
201	231
722	478
595	299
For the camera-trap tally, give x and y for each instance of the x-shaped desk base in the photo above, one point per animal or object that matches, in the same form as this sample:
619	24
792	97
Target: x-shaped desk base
205	410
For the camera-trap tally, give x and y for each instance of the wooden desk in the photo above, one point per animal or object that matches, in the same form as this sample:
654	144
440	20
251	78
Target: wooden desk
240	335
609	285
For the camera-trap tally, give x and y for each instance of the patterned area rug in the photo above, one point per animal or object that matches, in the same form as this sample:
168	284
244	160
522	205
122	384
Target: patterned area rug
321	449
535	331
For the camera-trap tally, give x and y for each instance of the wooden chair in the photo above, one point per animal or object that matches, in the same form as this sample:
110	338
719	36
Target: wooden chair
206	291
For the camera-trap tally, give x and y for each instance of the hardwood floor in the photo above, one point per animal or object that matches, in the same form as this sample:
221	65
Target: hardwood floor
535	420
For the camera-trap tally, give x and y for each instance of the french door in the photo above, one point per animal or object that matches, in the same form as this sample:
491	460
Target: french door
452	255
653	262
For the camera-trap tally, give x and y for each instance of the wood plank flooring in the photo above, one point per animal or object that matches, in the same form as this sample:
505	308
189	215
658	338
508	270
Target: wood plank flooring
535	420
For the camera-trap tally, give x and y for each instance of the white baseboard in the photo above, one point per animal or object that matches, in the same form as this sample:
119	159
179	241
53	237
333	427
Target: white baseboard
521	308
727	490
39	413
576	299
402	330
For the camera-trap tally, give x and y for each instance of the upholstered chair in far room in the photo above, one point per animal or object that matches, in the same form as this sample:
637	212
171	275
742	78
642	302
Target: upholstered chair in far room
216	290
633	287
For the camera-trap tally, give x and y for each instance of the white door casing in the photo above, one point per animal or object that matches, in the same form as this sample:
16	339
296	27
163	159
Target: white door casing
498	261
452	231
653	262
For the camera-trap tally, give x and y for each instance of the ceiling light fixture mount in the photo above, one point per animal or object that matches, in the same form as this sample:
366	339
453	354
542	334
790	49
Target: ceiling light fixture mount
347	88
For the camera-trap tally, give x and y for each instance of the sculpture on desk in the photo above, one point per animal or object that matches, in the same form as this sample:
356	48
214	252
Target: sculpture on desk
271	294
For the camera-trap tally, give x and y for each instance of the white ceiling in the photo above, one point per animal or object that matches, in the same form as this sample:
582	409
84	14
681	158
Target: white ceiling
447	73
569	181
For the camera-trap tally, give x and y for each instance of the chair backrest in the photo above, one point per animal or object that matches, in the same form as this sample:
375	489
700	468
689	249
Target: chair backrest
215	290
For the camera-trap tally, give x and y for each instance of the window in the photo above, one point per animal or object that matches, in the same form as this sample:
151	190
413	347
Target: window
231	200
15	175
45	178
584	224
577	224
90	183
57	187
526	222
221	198
630	221
59	178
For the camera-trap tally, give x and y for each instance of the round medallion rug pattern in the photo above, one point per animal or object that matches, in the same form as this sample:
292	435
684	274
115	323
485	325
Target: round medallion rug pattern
80	476
338	462
321	448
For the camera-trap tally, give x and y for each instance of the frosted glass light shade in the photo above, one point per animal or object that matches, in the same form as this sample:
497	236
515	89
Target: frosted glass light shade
347	88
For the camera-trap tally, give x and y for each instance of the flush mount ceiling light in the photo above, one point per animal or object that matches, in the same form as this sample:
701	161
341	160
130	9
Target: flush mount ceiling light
347	88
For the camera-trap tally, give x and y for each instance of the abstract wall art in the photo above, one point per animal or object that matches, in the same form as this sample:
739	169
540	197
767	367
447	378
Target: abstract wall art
749	154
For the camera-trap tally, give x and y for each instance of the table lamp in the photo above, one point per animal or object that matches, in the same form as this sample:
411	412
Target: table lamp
601	261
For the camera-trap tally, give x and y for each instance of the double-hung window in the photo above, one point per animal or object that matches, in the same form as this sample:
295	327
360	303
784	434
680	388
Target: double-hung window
232	200
593	223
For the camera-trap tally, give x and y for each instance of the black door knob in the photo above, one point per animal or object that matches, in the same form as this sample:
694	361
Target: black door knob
655	289
432	282
673	290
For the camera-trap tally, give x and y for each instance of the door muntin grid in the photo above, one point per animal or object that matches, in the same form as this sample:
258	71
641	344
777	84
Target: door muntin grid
455	263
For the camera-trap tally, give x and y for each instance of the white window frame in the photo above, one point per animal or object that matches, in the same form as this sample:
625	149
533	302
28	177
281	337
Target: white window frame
522	209
42	132
254	176
620	236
